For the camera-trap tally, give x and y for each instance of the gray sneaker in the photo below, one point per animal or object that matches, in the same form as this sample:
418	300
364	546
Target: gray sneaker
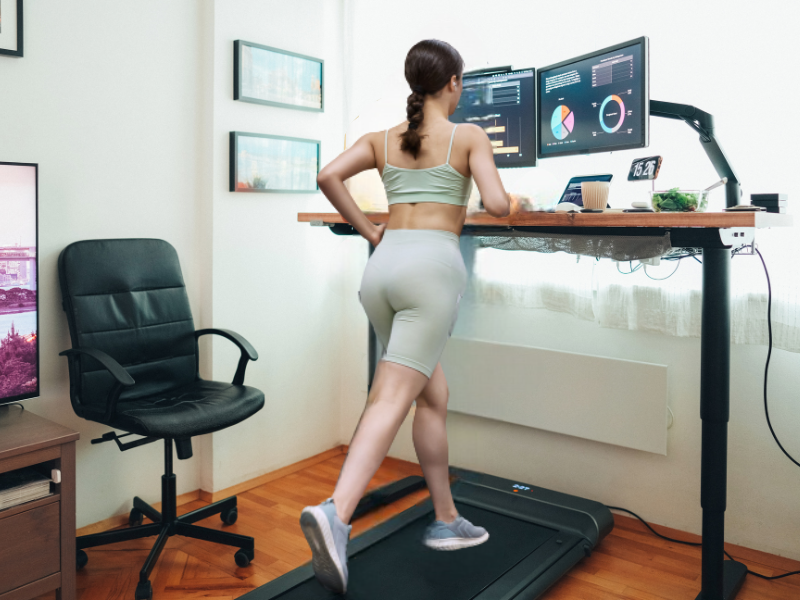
328	537
454	536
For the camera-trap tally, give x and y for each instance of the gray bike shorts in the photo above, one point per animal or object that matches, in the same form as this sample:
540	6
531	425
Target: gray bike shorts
411	290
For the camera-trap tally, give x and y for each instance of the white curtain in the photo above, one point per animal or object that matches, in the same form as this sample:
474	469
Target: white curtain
668	303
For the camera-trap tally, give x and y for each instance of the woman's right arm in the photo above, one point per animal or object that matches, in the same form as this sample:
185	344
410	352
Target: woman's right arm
481	164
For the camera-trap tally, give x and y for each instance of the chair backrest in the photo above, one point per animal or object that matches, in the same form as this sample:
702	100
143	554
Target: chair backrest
127	298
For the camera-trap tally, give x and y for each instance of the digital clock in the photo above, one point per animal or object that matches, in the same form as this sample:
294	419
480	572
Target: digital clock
644	168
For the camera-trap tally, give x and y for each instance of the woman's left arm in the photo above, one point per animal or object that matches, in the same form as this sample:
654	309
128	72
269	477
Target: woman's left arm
354	160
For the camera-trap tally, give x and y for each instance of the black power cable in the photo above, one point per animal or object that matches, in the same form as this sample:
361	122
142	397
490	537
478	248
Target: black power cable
769	355
766	411
687	543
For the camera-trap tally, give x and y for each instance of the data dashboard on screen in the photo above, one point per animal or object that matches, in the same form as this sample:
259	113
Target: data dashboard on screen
598	102
503	104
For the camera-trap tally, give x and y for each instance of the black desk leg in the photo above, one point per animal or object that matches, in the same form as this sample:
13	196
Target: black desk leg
373	342
721	579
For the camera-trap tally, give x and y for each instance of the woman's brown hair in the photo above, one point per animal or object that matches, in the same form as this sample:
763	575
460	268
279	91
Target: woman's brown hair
429	66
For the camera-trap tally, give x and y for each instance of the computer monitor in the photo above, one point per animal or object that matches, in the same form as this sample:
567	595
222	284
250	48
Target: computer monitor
597	102
503	104
19	274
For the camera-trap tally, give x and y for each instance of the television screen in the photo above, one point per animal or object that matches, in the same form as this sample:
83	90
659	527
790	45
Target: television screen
19	298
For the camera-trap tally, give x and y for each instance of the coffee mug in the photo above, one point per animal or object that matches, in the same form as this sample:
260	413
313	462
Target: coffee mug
594	194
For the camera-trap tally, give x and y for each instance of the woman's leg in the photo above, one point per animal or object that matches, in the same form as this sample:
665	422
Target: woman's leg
394	388
430	442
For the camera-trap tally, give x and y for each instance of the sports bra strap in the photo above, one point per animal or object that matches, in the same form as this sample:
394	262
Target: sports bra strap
386	148
450	148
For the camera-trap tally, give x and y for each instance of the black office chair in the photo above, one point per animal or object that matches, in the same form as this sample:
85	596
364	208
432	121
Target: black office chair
134	366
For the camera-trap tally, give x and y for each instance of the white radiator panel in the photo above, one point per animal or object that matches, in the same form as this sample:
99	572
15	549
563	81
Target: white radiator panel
620	402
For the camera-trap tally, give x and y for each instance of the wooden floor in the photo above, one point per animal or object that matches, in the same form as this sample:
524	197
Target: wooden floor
630	563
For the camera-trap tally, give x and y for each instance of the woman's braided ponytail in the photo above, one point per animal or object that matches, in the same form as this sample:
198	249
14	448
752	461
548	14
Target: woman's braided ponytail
429	66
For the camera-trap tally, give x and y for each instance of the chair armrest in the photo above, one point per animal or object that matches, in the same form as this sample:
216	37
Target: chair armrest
122	377
248	352
111	365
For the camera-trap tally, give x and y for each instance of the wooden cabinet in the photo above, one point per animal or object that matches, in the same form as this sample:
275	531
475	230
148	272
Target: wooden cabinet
37	539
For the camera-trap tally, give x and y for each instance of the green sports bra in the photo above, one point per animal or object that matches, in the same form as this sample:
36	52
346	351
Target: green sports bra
441	183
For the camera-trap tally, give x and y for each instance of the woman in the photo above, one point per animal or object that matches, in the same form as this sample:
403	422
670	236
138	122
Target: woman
410	291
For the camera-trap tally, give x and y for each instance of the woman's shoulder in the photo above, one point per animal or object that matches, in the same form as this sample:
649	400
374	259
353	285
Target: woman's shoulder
373	139
471	131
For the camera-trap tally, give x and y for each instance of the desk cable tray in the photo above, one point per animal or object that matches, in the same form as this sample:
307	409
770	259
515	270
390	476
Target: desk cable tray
616	247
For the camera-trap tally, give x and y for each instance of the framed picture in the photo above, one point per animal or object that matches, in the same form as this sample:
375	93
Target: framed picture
276	77
273	163
19	288
11	27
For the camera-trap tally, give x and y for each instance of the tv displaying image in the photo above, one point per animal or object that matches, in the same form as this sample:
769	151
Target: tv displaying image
19	298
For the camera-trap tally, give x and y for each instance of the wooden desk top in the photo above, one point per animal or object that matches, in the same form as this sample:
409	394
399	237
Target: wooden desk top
713	220
21	431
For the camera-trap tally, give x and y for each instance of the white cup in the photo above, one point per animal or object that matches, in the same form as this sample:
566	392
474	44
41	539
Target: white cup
594	194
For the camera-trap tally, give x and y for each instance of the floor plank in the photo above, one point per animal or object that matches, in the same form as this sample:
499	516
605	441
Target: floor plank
630	564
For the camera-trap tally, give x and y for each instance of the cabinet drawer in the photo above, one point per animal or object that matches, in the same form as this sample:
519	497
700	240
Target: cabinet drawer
29	546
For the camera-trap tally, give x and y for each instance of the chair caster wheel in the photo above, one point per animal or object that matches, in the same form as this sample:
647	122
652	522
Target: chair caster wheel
80	560
229	516
144	591
243	557
136	517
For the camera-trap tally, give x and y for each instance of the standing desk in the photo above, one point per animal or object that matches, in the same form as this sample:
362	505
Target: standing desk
716	234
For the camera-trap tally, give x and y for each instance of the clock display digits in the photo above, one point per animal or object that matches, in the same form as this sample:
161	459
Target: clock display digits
644	168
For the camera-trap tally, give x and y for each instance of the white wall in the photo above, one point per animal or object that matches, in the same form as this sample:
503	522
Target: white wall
106	101
127	110
723	60
278	282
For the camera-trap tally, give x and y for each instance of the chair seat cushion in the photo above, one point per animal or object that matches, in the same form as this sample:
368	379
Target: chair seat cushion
193	409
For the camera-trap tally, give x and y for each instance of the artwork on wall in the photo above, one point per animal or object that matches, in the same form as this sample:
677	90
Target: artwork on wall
273	163
276	77
19	296
11	27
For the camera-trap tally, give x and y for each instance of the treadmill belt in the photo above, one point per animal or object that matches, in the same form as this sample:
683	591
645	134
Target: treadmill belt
400	566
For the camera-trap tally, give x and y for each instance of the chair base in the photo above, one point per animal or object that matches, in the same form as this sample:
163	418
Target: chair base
166	524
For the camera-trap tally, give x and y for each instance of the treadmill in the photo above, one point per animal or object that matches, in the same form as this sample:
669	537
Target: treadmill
536	535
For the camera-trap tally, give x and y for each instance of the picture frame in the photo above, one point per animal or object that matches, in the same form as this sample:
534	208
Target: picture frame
11	27
264	163
275	77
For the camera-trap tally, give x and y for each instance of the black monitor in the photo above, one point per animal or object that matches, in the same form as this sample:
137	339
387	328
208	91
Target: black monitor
597	102
503	104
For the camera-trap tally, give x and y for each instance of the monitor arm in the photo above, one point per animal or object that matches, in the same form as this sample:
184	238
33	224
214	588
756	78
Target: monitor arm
703	123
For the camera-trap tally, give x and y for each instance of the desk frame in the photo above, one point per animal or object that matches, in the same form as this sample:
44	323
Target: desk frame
716	234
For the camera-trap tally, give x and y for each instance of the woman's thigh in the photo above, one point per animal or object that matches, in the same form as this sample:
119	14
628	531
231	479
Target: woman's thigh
425	296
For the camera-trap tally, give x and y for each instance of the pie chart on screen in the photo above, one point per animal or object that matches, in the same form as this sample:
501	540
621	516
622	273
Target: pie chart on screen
562	122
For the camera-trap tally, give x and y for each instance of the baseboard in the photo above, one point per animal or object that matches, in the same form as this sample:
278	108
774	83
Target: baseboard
267	477
120	520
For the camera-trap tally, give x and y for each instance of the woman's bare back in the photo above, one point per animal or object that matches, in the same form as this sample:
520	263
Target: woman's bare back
433	153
